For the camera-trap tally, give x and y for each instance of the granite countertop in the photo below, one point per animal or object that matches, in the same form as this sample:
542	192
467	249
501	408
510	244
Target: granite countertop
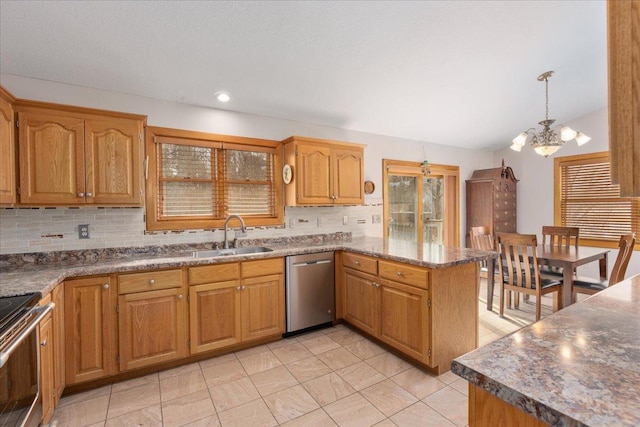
577	367
45	276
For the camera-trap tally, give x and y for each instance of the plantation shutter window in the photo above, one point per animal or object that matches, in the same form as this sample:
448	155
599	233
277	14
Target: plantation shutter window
588	200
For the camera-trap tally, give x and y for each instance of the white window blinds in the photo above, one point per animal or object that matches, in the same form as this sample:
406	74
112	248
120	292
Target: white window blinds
590	201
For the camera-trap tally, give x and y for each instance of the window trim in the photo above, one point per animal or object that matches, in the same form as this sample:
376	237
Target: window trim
559	162
186	137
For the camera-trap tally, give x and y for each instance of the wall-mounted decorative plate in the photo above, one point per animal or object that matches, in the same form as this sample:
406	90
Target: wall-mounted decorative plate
287	174
369	187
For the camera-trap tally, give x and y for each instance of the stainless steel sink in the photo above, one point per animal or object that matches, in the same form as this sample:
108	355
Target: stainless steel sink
228	252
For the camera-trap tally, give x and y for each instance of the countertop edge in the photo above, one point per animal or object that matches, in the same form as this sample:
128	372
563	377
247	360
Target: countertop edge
514	398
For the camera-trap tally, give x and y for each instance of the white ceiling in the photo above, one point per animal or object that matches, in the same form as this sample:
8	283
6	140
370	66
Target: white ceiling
460	73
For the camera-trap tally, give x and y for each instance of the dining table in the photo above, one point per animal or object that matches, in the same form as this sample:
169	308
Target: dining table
566	258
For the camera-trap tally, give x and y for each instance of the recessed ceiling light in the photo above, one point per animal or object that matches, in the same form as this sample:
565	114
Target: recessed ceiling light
222	96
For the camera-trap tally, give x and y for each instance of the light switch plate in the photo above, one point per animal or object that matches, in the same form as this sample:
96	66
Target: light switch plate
83	231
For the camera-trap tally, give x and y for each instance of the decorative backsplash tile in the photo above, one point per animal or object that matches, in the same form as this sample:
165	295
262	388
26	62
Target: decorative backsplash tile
29	230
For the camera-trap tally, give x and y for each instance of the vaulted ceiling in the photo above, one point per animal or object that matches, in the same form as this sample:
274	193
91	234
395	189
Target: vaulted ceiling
460	73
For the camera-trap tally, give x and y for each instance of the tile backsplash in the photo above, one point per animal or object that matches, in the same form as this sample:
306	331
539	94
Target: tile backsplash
56	229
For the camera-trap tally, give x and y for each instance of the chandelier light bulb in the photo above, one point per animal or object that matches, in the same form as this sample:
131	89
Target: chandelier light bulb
582	139
567	134
516	147
520	139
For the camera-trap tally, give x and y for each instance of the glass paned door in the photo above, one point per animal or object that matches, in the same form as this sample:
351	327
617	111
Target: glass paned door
433	204
403	207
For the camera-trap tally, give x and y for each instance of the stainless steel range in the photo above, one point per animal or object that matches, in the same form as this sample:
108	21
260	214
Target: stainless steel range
20	403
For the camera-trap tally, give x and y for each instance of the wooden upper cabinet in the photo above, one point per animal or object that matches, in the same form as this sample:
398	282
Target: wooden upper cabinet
112	161
348	171
324	172
7	149
72	156
314	183
623	26
51	158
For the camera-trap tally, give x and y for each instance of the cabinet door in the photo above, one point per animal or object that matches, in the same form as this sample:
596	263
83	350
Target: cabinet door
214	315
51	158
89	340
58	343
113	161
361	301
46	369
262	306
348	181
404	315
7	153
314	181
152	327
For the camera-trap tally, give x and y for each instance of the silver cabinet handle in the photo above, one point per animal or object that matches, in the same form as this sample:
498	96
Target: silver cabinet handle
238	288
152	282
244	287
106	286
80	194
399	273
356	262
377	285
43	343
179	296
89	194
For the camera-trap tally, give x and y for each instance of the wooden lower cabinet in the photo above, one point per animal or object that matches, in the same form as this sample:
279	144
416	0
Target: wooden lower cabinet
214	315
89	329
248	306
57	296
361	301
47	388
152	327
404	322
262	307
431	315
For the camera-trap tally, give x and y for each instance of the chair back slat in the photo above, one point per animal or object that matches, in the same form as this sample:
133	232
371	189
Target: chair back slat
560	237
625	250
481	239
519	256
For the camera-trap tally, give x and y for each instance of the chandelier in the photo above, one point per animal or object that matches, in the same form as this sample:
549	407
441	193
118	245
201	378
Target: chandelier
548	141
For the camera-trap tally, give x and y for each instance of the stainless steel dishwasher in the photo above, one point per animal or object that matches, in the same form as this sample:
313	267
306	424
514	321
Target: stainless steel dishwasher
310	291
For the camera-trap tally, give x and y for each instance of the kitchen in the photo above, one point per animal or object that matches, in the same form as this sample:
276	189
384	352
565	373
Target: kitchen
126	227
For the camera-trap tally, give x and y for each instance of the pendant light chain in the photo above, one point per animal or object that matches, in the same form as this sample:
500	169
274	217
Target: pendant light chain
546	110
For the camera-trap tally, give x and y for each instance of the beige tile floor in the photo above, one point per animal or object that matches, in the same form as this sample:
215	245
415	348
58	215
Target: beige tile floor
329	377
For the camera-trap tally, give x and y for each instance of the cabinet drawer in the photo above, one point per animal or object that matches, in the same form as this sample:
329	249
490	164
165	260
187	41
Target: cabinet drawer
404	273
360	262
149	280
262	267
214	273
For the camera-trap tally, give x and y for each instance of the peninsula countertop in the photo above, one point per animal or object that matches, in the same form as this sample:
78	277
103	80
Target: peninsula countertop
44	277
578	367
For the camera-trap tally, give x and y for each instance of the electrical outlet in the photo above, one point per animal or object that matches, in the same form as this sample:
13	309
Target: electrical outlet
375	219
292	223
345	220
83	231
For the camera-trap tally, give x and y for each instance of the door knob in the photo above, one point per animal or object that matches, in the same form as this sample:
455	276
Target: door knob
106	286
89	194
80	194
179	296
152	282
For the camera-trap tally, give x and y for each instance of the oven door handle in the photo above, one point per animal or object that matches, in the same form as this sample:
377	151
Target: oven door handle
41	313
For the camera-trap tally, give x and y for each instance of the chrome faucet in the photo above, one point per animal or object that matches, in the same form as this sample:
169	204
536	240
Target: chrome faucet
242	233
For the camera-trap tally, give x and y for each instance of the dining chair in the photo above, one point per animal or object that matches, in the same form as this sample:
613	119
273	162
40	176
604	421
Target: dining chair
520	271
558	238
587	285
482	240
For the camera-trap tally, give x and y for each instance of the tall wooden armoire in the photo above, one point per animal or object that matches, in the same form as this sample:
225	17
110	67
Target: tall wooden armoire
491	200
